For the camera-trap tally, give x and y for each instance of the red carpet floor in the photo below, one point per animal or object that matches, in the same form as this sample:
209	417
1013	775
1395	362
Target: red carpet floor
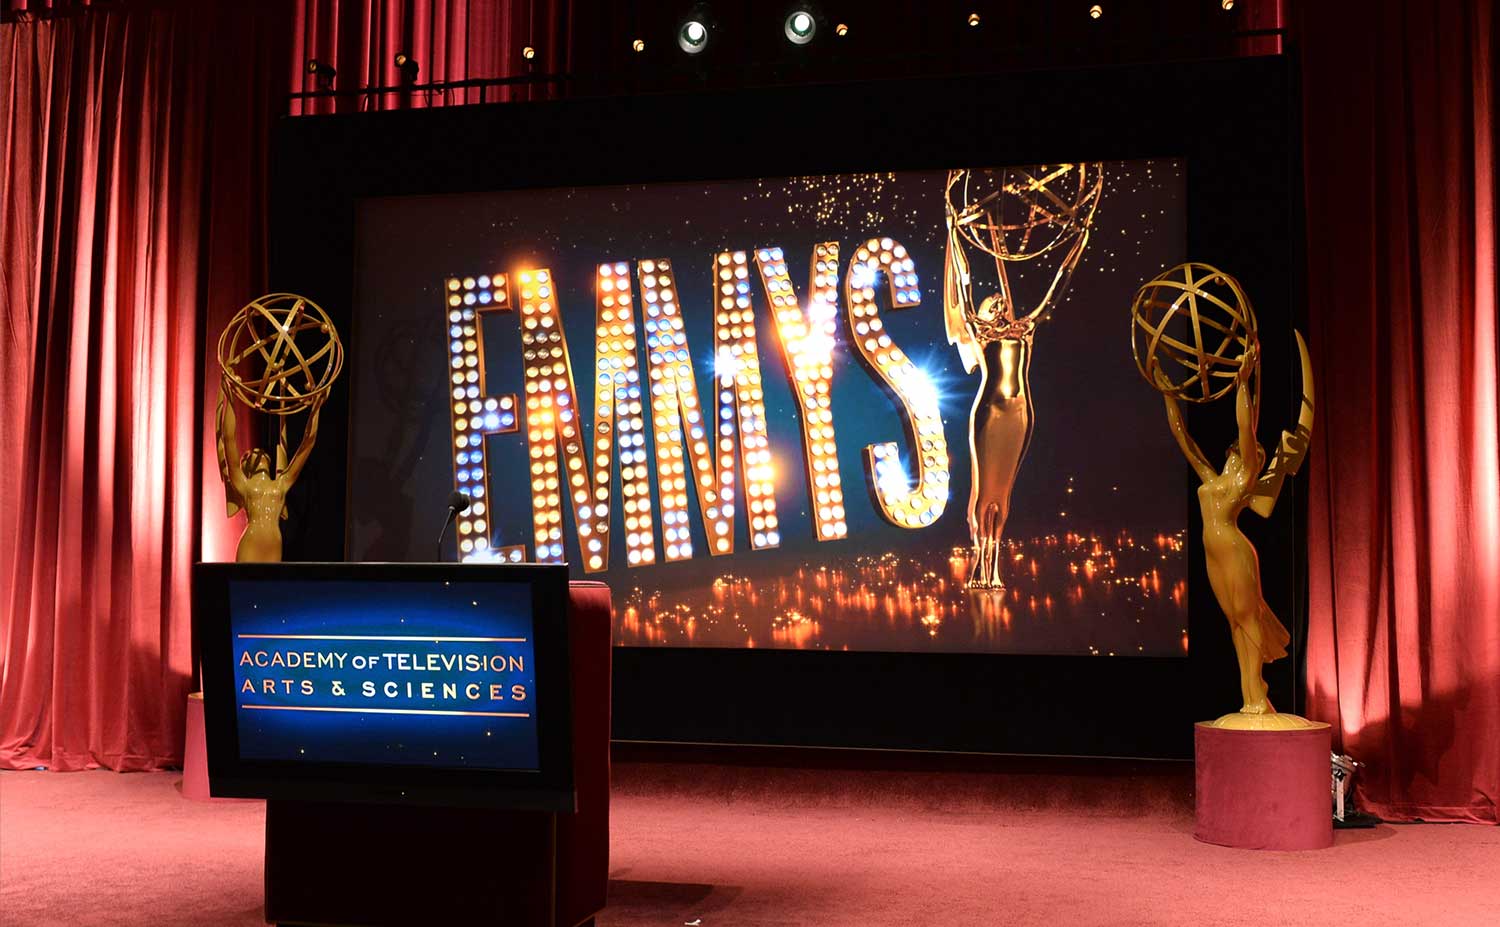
757	847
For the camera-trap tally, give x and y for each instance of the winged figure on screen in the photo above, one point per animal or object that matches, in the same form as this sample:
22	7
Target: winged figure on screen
1012	216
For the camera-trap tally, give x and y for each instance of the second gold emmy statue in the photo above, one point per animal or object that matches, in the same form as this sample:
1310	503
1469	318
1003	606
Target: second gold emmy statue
1013	216
1194	336
291	340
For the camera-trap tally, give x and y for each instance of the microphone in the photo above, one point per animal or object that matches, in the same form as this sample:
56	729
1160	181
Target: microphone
458	503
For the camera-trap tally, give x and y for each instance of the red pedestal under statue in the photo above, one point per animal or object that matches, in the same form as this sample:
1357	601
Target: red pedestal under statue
1264	790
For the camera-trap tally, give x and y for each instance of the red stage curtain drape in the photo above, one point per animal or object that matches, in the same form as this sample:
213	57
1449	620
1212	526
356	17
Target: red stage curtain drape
132	172
450	40
1404	511
135	141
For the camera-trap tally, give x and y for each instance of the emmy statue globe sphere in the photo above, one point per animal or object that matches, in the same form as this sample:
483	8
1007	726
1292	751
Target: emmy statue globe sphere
1020	213
1195	325
291	348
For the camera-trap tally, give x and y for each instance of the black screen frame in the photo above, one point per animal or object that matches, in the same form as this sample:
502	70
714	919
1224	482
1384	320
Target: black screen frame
547	788
1233	121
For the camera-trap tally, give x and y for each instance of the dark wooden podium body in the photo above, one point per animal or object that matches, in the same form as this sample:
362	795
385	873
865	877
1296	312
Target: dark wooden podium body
342	863
378	865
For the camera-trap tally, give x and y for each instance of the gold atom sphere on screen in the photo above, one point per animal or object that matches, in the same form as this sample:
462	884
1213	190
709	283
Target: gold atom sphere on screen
290	346
1197	324
1016	214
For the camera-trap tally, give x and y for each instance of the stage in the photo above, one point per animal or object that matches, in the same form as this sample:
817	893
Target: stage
1030	842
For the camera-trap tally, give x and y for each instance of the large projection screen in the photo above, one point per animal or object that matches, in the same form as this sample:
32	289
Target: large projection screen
660	444
866	639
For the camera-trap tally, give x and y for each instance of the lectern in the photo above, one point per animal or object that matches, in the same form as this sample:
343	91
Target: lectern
432	740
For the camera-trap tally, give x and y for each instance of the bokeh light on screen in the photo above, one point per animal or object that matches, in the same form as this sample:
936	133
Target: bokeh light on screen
753	347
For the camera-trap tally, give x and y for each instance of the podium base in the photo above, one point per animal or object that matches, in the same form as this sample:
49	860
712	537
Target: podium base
332	863
1263	789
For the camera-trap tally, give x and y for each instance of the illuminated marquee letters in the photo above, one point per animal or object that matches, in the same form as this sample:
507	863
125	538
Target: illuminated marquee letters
568	468
916	398
617	406
560	464
475	413
807	350
706	457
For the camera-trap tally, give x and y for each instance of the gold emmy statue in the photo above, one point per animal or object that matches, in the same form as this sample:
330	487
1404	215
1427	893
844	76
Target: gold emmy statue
1014	216
293	342
1194	337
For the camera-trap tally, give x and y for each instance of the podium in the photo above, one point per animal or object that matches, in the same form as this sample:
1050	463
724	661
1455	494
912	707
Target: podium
334	863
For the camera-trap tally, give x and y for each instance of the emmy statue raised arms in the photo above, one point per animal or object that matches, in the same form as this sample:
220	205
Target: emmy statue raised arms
1176	318
295	344
1013	216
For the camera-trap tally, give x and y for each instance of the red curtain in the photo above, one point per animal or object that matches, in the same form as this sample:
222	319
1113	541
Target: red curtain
134	175
1404	512
450	40
133	178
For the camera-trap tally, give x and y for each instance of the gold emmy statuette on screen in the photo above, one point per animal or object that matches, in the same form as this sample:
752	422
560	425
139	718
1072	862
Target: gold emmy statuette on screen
1029	221
1194	337
295	348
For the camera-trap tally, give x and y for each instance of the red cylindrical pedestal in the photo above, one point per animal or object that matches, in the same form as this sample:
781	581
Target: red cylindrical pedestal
194	753
1264	790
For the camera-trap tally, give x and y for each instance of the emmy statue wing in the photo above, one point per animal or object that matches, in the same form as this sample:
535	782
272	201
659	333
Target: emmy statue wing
281	460
1293	447
232	499
956	301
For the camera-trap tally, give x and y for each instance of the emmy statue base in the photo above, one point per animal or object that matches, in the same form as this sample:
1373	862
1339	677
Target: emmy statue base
1263	789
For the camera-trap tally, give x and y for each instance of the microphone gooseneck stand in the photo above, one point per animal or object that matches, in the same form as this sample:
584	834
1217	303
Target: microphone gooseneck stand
458	503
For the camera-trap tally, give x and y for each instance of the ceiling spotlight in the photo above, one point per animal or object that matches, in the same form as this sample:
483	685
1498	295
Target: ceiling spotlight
528	53
841	29
692	36
1227	4
407	66
1096	11
973	19
638	45
800	26
322	73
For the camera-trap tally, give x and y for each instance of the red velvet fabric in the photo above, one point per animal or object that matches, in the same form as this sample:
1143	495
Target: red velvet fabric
1262	790
131	223
450	40
1404	507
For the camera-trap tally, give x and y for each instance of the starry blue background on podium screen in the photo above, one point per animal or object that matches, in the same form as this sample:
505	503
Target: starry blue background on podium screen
437	674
